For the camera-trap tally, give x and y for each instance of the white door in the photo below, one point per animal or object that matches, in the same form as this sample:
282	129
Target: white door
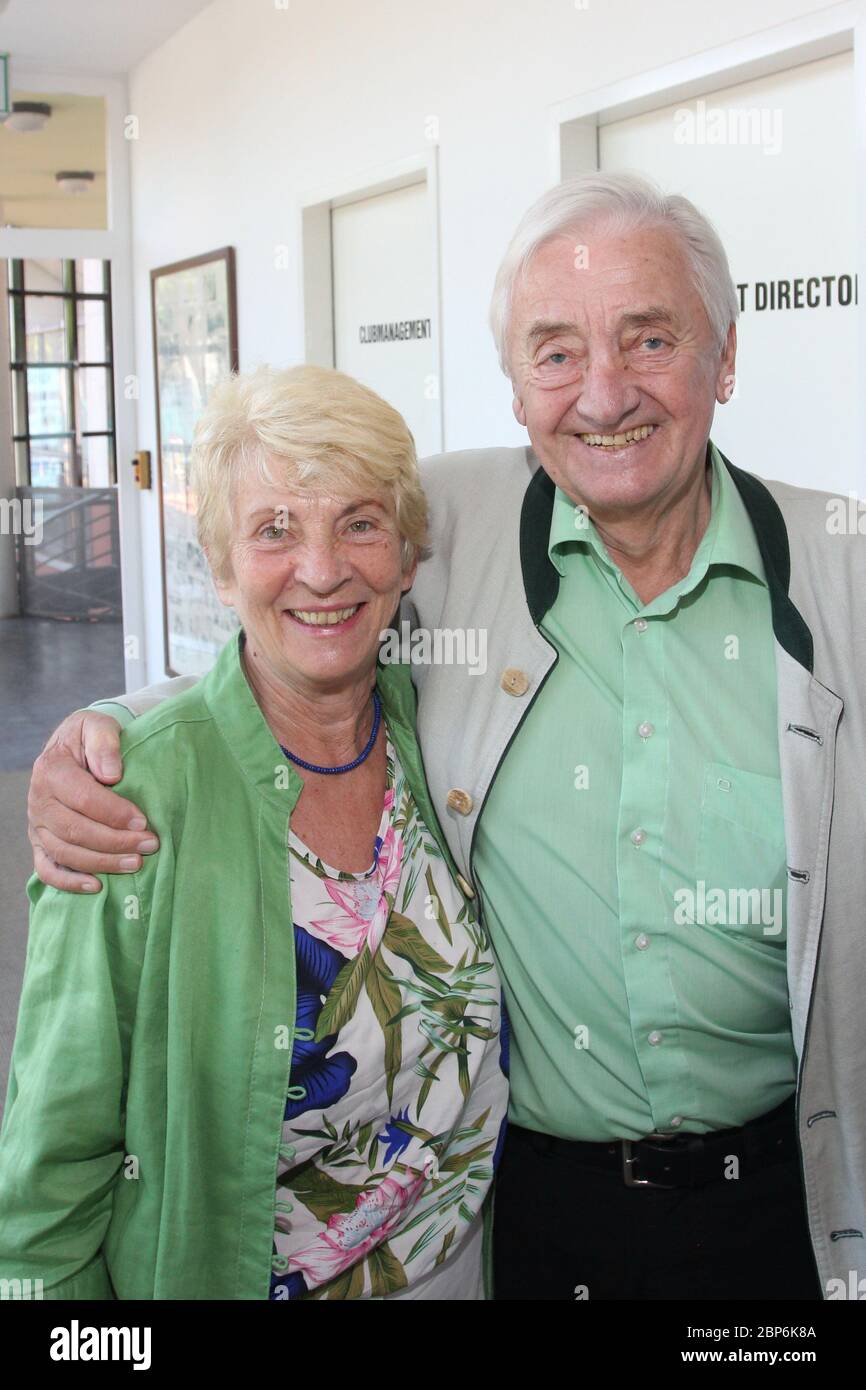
772	164
384	304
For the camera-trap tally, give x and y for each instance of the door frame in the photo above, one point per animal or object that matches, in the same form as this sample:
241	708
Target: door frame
316	262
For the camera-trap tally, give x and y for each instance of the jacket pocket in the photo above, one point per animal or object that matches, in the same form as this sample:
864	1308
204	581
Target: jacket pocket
740	872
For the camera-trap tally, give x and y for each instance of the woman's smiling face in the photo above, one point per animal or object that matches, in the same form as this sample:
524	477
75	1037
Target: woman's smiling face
314	581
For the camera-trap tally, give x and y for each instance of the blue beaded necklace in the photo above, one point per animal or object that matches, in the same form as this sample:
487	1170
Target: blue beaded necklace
362	756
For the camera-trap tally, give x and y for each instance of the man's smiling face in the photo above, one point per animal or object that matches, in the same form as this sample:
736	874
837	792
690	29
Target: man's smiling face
622	345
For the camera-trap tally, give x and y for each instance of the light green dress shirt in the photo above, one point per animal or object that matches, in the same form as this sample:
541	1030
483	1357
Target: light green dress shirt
631	855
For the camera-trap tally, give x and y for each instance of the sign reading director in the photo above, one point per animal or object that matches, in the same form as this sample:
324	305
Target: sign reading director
809	292
398	332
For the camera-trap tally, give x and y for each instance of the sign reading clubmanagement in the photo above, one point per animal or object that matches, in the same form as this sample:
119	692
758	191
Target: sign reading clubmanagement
398	332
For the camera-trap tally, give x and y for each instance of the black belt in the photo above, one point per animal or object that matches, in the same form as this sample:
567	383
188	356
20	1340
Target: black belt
681	1160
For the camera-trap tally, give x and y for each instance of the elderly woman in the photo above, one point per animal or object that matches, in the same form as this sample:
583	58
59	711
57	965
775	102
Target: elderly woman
270	1064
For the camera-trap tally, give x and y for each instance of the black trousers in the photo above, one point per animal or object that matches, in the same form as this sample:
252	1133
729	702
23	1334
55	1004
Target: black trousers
563	1231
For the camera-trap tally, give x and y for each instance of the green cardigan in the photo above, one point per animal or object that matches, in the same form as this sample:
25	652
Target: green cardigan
144	1112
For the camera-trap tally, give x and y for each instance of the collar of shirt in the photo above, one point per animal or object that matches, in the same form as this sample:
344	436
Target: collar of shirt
729	541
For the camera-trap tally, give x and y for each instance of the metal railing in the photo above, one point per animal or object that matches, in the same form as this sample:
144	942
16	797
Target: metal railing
69	564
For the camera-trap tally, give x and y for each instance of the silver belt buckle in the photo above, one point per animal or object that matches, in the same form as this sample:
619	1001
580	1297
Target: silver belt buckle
629	1160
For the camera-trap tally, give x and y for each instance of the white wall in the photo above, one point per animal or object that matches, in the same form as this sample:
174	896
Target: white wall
253	105
792	415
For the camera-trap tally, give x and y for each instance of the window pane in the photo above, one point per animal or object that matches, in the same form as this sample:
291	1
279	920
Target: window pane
90	277
96	461
45	328
50	462
99	535
17	341
19	402
48	400
22	476
93	399
43	275
43	335
91	331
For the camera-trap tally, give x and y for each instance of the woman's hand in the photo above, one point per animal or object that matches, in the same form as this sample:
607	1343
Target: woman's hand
78	827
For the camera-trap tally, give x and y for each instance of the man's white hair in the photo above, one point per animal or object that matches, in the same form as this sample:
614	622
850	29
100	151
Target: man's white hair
621	203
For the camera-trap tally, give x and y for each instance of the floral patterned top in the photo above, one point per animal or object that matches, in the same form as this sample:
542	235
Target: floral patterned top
396	1112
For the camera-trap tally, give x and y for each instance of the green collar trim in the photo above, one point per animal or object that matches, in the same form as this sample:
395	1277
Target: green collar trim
540	576
789	625
541	579
728	541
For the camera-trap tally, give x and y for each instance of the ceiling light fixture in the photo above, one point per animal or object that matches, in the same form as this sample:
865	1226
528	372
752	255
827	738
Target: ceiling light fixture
27	116
75	180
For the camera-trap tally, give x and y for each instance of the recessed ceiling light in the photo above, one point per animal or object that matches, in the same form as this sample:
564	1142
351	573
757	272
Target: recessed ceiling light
75	180
27	116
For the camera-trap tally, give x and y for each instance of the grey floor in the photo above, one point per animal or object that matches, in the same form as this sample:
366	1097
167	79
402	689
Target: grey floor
47	668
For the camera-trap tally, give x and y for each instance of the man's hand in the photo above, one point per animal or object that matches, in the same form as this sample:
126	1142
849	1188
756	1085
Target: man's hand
73	822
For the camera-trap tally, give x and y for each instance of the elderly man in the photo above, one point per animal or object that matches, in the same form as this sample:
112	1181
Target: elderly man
655	788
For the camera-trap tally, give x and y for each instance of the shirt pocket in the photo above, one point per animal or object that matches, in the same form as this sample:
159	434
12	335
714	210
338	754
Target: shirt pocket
740	878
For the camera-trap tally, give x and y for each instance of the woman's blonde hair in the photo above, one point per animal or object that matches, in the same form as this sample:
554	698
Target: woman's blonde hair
312	428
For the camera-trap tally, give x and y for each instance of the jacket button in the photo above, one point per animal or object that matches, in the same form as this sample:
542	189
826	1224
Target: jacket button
465	886
460	801
514	681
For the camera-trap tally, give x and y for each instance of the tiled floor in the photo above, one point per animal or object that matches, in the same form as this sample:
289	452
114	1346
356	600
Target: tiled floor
48	668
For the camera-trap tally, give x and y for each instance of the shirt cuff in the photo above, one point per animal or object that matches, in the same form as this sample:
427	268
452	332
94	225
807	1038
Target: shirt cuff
121	713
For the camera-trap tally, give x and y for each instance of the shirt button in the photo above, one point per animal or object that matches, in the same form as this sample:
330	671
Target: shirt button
641	941
654	1038
640	624
676	1121
637	836
288	1152
465	886
646	730
514	681
460	801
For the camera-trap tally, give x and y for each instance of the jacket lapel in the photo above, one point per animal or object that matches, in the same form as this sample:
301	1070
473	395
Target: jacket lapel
399	702
808	715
